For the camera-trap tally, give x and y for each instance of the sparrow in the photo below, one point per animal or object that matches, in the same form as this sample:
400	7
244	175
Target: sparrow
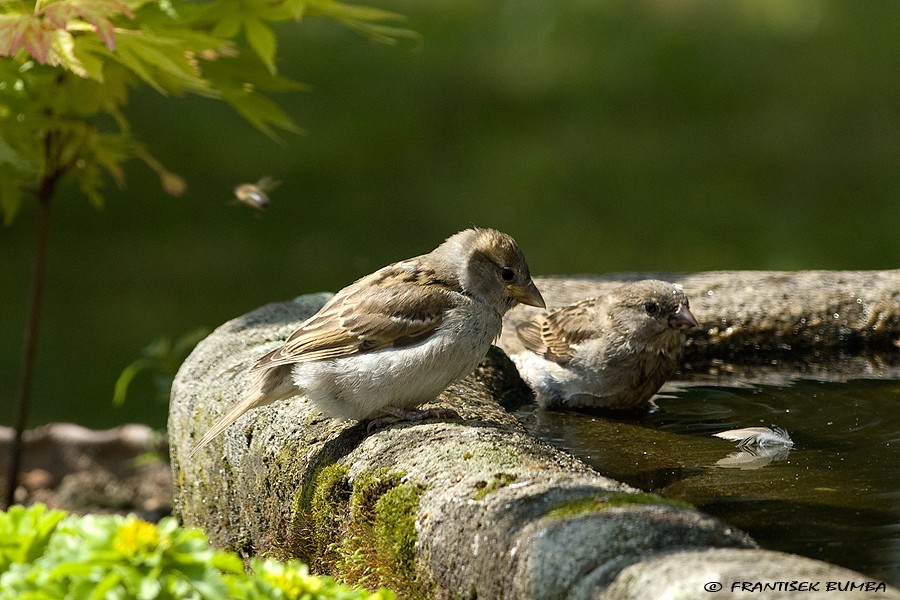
396	338
612	352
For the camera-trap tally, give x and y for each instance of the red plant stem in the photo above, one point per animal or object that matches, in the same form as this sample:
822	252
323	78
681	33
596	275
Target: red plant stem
29	345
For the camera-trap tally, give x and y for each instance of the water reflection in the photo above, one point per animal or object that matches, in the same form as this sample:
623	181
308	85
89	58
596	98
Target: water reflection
832	496
753	458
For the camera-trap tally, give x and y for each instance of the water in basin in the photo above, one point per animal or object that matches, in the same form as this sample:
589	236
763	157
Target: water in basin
834	495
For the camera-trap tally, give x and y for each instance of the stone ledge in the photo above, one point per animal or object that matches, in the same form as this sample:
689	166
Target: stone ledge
440	509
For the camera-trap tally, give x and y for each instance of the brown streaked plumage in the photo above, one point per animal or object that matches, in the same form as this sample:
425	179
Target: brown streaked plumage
609	352
396	338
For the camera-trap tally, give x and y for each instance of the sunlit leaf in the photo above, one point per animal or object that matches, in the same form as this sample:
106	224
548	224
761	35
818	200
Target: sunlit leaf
262	39
228	26
62	53
37	39
92	64
12	32
296	8
132	61
47	32
163	54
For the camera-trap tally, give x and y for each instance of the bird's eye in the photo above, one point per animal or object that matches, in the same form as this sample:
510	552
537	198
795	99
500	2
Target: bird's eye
651	307
507	274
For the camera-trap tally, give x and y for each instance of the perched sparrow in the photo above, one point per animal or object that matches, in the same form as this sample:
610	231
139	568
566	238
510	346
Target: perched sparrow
396	338
610	352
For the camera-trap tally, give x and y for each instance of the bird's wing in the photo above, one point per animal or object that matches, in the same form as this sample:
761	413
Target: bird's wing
396	306
554	334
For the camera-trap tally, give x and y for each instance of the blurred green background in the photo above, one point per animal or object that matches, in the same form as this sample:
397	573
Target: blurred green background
605	136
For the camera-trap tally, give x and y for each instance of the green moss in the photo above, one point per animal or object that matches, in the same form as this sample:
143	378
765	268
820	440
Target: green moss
501	456
395	527
331	489
362	532
368	488
318	514
499	480
590	504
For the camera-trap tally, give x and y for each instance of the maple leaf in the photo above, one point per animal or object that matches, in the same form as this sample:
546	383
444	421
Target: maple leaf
47	33
99	13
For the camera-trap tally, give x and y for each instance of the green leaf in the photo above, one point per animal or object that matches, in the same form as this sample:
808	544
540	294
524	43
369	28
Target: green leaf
109	557
227	562
25	533
62	53
367	20
147	54
344	12
383	33
132	61
120	391
261	112
228	26
296	8
263	41
91	64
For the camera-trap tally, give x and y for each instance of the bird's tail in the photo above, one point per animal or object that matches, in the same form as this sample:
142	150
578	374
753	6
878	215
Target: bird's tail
271	385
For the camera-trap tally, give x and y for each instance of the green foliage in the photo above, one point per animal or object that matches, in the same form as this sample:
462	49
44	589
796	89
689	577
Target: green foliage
69	66
24	533
110	557
161	358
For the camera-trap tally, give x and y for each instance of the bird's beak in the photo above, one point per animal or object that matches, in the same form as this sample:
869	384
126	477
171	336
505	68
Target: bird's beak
527	294
682	318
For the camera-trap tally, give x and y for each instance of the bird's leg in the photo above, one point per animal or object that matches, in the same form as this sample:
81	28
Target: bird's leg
391	415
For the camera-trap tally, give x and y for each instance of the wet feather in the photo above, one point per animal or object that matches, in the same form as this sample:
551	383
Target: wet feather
759	437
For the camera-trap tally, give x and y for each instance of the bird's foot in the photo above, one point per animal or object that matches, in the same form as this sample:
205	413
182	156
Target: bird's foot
397	415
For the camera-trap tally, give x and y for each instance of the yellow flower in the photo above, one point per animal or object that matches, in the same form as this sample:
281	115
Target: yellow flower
136	537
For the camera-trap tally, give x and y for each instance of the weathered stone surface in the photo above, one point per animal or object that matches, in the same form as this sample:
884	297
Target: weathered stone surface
447	509
486	486
741	574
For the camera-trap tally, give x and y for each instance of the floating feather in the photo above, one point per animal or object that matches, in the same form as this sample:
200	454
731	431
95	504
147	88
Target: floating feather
759	437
